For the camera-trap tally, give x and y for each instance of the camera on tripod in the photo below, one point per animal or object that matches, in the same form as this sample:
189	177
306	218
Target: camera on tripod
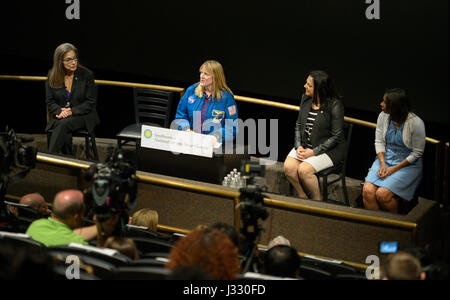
14	155
112	188
252	200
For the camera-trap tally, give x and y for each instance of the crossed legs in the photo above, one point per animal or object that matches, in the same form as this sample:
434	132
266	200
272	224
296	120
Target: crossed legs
302	174
377	198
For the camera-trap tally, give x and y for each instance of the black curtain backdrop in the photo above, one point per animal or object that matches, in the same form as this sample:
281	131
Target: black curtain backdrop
267	51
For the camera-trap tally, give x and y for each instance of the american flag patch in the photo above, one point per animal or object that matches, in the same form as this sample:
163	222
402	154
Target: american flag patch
232	110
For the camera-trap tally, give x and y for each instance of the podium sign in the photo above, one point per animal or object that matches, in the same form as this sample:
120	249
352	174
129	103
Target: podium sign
177	141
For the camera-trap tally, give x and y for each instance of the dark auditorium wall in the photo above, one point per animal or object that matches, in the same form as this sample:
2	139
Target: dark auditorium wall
266	49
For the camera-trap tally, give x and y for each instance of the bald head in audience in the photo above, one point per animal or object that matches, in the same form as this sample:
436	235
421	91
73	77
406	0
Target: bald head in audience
69	208
36	201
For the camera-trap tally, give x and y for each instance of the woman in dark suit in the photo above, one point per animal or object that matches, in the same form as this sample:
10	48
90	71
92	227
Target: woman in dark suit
319	137
71	98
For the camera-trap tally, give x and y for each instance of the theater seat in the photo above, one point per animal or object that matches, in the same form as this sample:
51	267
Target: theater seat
110	256
147	245
141	273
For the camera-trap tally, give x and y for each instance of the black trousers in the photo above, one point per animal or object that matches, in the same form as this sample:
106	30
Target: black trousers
61	134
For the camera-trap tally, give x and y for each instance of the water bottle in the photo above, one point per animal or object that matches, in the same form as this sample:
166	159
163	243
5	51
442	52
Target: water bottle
225	181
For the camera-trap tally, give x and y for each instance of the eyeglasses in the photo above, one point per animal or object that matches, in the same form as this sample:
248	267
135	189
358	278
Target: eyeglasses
70	59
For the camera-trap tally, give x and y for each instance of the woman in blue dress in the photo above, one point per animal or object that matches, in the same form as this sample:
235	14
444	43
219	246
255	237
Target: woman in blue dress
399	144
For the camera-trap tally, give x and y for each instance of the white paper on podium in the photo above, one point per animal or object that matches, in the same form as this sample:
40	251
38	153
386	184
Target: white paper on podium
177	141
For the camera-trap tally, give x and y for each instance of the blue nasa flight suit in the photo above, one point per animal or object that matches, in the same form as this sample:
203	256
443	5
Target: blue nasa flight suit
217	113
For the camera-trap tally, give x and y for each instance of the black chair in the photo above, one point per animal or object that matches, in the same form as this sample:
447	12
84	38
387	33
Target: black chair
314	273
20	240
351	277
89	141
339	169
142	273
327	268
151	107
132	231
148	245
148	262
91	268
117	259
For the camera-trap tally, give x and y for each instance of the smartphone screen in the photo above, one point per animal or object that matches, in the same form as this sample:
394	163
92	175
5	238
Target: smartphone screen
388	247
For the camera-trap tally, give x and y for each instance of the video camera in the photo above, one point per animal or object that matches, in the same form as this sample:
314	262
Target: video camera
14	155
252	200
112	187
252	208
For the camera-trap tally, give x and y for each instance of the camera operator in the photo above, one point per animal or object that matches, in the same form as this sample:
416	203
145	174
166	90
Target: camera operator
61	228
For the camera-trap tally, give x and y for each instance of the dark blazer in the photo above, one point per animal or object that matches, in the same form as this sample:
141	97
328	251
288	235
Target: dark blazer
327	135
83	99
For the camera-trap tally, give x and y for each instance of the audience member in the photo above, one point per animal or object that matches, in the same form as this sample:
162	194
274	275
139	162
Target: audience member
279	240
37	202
282	261
145	217
401	265
63	226
399	144
319	136
68	213
126	246
209	249
229	230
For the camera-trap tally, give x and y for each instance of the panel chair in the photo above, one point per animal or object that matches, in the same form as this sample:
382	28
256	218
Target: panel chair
89	141
151	107
339	169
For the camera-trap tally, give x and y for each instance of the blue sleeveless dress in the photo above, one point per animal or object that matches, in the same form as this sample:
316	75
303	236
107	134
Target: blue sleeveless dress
405	181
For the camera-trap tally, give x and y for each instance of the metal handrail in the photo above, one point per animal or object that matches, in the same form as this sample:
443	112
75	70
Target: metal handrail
181	91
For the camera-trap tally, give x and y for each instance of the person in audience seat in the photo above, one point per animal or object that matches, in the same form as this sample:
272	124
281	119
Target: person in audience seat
37	202
282	261
401	265
399	144
63	226
126	246
319	136
145	217
209	249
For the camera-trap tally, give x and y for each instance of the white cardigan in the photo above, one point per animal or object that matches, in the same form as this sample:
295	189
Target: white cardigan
413	135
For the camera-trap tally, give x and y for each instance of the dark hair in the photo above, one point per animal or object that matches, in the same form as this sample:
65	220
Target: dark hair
397	105
282	260
323	87
125	246
56	75
229	230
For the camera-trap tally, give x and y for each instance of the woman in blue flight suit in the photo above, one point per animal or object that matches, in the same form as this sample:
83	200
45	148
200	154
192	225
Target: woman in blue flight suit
208	107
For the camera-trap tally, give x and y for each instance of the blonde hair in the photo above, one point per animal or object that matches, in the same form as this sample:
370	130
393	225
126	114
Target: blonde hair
219	83
56	76
145	217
